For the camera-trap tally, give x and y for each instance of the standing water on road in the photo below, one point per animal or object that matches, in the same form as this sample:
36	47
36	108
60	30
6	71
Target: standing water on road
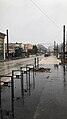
47	98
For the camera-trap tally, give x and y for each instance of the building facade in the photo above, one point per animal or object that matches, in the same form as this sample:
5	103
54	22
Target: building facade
2	47
27	47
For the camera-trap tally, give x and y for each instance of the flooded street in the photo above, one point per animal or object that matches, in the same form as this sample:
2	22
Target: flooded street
46	98
7	66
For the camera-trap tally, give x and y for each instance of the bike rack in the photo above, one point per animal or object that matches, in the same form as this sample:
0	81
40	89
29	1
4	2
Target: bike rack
14	76
26	70
12	110
31	66
23	70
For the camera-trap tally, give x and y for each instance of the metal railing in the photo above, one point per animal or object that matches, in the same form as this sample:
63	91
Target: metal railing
22	71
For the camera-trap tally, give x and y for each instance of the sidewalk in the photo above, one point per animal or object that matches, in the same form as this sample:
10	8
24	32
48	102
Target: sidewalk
50	60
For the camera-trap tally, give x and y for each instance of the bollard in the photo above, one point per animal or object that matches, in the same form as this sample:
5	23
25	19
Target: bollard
38	62
35	62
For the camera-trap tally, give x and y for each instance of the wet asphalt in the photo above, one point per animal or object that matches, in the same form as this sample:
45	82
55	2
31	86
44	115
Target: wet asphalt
46	99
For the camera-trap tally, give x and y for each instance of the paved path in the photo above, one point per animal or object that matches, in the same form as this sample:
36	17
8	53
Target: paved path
50	60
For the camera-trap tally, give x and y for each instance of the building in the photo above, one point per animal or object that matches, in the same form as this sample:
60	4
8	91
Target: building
2	46
27	47
12	48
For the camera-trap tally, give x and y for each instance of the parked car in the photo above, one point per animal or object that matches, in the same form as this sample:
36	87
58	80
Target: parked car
46	55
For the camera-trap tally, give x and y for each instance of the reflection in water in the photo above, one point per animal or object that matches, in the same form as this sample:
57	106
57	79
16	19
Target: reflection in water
15	82
64	76
0	102
33	83
1	115
1	65
64	72
56	66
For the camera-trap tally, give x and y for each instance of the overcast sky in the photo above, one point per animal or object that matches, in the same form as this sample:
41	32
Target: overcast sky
27	24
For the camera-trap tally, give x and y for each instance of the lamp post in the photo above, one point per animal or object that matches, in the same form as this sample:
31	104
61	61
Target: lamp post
7	45
63	43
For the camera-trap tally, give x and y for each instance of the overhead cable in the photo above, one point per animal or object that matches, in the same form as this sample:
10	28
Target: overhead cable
45	14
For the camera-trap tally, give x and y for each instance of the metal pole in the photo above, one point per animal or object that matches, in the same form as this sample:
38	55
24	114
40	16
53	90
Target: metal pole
0	92
66	49
22	87
33	79
35	61
29	80
64	44
12	85
64	72
26	77
33	72
57	50
0	100
7	45
54	48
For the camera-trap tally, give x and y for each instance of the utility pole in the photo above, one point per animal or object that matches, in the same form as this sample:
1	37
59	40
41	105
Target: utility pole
63	43
54	48
57	50
66	49
7	45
